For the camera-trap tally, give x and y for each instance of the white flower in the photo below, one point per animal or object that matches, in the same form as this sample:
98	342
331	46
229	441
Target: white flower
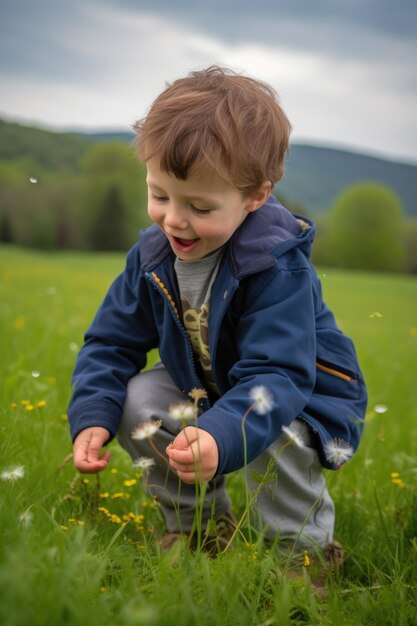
144	463
262	398
146	430
13	473
380	408
293	436
338	451
182	412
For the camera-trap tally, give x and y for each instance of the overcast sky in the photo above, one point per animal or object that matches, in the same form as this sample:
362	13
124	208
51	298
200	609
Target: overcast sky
345	70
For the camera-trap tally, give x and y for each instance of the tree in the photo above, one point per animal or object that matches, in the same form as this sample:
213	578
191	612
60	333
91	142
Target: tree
108	232
365	229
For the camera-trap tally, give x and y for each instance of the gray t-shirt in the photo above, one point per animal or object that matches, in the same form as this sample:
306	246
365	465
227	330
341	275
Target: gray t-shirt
195	282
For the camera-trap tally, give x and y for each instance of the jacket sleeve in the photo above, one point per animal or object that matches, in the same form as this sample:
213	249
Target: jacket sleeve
115	349
277	347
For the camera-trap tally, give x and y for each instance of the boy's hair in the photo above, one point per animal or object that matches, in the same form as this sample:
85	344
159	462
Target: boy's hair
219	118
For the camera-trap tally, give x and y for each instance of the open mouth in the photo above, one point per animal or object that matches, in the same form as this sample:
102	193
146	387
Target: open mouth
184	245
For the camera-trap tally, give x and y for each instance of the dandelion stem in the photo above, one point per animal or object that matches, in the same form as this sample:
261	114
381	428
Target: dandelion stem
155	449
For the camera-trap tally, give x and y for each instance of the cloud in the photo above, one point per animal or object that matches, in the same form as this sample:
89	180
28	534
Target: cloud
345	71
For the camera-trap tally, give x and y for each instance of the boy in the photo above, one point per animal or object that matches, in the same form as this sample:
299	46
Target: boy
223	286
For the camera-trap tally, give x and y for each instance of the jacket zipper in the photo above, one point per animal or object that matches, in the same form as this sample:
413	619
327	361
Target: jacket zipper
159	286
335	372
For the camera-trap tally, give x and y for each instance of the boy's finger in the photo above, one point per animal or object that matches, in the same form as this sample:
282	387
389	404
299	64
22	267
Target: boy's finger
181	456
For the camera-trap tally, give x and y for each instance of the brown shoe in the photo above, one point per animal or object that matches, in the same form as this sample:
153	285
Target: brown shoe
213	540
319	566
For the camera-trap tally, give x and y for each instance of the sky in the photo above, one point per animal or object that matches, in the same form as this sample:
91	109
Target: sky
345	70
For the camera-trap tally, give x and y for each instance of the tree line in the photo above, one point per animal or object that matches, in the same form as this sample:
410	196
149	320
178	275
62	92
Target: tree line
101	205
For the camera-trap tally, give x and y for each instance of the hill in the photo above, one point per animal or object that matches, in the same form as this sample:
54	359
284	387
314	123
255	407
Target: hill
314	176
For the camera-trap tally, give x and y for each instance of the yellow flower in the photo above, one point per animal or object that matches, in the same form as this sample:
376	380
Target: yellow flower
130	483
306	559
51	380
25	402
398	481
29	407
64	417
63	527
197	394
86	481
120	494
41	404
103	589
113	470
104	495
19	322
103	509
395	475
13	405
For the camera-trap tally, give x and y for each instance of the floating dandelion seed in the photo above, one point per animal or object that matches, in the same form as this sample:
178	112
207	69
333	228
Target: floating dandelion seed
380	408
338	451
35	374
293	436
182	412
26	518
146	430
262	398
13	473
375	315
33	180
144	463
73	346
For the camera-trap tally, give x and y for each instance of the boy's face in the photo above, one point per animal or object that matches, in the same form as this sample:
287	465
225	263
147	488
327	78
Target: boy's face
197	215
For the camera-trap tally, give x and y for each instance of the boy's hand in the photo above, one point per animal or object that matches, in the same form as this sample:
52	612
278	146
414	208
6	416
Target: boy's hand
193	455
87	447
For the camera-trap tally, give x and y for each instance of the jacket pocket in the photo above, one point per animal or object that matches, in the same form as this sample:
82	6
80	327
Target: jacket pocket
335	370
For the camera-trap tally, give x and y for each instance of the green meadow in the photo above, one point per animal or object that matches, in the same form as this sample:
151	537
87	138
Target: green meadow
83	550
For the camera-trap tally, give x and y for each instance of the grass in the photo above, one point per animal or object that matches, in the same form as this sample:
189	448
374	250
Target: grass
66	558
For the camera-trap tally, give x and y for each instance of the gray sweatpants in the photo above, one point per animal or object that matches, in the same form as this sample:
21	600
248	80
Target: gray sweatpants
296	504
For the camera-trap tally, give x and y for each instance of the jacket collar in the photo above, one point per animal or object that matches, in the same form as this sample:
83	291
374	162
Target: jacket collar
263	237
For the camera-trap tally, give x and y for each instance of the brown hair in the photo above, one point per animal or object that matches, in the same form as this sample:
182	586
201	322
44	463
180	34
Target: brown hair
218	118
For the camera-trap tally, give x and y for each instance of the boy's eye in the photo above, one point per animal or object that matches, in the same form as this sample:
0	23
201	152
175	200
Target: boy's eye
200	211
158	198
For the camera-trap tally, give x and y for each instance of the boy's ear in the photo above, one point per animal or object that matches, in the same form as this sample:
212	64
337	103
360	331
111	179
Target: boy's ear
259	197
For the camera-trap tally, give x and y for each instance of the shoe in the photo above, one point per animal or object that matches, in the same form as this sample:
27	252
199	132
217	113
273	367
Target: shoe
214	538
318	566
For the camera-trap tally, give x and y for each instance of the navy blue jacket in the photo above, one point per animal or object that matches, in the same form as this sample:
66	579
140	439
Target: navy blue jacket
268	326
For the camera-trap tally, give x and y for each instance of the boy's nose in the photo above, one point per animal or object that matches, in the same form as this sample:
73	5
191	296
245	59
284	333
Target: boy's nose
175	217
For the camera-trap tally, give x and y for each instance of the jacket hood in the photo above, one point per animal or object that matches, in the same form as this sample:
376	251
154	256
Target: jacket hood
264	236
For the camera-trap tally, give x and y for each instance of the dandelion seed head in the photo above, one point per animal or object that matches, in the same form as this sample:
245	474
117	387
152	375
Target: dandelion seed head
13	473
144	463
145	430
183	411
380	408
33	180
262	399
35	374
293	436
338	451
